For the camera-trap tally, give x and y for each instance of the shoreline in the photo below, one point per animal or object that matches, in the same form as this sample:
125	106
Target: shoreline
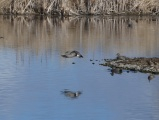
82	15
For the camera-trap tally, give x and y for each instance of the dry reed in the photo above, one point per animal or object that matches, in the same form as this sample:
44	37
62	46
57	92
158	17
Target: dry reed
79	7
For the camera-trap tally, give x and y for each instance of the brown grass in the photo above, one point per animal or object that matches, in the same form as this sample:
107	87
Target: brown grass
79	7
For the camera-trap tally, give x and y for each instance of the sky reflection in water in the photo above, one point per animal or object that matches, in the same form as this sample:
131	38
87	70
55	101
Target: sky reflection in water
33	73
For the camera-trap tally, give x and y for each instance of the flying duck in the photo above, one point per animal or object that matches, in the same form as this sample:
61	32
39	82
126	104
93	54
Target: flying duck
71	54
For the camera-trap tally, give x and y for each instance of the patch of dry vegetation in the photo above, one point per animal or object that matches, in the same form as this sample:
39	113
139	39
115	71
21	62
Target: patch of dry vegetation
79	7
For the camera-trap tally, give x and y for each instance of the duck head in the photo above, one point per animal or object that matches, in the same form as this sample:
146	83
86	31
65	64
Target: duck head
118	54
79	55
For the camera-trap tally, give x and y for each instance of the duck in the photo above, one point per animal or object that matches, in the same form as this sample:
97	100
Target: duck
129	23
71	54
151	76
119	57
116	71
71	94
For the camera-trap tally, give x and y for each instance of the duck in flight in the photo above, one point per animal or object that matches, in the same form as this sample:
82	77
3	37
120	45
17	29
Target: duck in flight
71	54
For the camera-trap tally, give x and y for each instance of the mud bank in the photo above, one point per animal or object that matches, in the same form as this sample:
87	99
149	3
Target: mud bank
146	65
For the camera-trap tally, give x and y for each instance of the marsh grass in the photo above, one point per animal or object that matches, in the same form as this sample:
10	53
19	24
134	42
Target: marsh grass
79	7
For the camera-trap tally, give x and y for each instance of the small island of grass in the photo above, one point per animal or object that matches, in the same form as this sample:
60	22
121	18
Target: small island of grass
141	64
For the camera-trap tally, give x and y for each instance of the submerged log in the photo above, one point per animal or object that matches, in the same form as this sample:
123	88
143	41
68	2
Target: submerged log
147	65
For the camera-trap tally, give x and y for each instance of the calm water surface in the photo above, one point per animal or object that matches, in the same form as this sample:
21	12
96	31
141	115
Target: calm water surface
33	73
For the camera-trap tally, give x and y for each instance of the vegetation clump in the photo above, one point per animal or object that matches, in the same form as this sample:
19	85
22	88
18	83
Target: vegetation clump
146	65
79	7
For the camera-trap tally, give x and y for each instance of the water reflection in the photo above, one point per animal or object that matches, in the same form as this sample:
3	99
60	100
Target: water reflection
116	71
71	94
41	33
119	71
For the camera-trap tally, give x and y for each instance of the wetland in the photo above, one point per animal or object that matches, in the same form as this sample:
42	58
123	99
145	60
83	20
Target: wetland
37	83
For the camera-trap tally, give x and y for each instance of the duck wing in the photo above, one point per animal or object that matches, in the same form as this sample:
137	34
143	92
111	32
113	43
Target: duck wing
69	54
65	56
78	54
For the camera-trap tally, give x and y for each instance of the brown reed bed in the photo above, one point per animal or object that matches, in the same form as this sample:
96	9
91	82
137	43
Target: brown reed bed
79	7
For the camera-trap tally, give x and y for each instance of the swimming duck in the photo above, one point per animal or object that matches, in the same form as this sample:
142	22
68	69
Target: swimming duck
151	76
119	57
129	23
71	94
116	71
71	54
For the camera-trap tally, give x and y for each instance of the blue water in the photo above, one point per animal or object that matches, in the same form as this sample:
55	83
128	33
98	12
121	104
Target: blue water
33	73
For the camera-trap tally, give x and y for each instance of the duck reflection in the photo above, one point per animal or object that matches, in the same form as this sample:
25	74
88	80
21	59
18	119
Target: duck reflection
71	94
115	70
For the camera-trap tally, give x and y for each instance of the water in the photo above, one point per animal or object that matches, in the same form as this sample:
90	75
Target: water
33	73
